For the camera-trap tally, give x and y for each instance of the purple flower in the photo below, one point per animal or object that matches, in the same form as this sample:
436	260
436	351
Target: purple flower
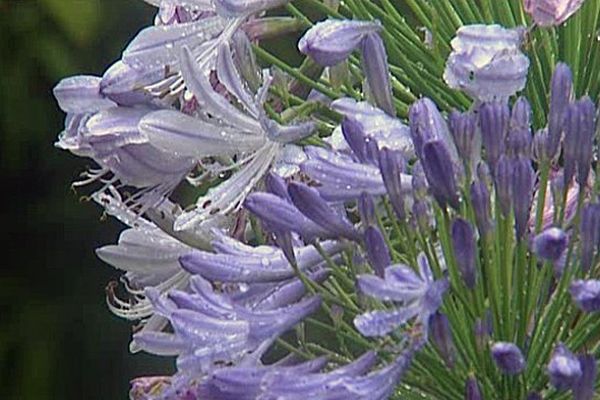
208	328
564	368
579	127
586	294
519	137
417	295
332	41
550	244
302	381
486	62
503	184
366	209
508	358
551	12
464	245
391	165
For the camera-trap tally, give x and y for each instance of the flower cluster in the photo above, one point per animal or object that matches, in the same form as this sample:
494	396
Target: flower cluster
375	233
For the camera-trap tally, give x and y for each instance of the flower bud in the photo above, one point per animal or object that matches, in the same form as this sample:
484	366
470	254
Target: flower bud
375	68
464	131
472	391
586	294
464	245
550	244
377	250
561	94
508	358
441	336
440	173
391	165
494	122
523	179
564	368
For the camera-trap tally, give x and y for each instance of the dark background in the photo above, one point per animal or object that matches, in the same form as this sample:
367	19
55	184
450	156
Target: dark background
57	338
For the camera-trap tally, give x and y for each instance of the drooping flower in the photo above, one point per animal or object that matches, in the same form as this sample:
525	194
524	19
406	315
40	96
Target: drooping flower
418	296
508	358
486	62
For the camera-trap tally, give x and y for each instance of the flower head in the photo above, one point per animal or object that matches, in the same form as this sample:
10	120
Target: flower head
508	358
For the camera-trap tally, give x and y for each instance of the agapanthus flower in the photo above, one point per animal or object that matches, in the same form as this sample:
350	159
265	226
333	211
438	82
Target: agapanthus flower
486	62
418	295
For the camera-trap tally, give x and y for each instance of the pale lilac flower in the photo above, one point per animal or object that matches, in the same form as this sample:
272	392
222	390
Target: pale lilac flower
551	12
508	358
418	295
486	62
237	8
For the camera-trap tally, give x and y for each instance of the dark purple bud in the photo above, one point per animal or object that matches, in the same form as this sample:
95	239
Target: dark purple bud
472	391
480	199
523	179
428	124
440	173
550	244
332	41
276	185
421	212
564	368
313	206
366	209
586	294
463	127
441	336
494	121
508	358
503	183
463	243
585	387
391	165
561	94
589	231
375	68
377	250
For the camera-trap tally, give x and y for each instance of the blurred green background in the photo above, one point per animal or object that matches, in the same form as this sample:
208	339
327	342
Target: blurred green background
57	338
